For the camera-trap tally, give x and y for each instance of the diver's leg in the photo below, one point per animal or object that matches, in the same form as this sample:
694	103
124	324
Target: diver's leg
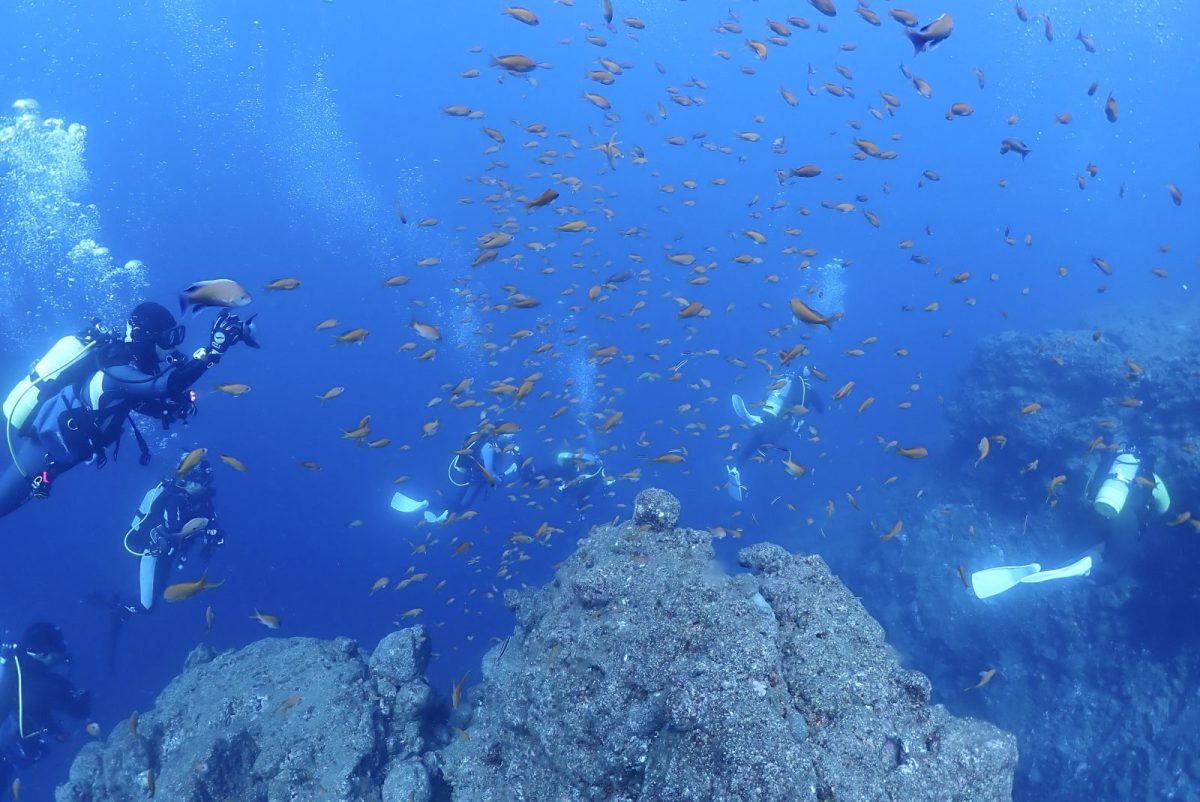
15	486
468	495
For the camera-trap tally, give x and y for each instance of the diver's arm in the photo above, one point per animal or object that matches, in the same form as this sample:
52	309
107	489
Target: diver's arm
129	382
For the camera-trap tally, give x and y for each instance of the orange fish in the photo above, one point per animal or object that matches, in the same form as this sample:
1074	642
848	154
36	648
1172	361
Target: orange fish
186	590
984	678
895	530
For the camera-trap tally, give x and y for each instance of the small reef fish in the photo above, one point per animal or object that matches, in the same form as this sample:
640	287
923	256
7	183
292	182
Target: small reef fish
267	620
181	591
190	461
215	293
928	36
984	678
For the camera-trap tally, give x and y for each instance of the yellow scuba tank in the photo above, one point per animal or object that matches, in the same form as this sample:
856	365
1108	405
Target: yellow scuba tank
23	399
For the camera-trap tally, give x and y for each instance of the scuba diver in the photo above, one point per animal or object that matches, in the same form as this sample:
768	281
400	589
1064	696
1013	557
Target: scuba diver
34	690
579	473
786	393
74	403
176	516
1127	494
484	461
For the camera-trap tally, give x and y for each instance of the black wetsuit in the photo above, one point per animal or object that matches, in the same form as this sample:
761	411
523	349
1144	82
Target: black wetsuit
580	475
31	698
163	513
80	422
1121	546
488	458
775	427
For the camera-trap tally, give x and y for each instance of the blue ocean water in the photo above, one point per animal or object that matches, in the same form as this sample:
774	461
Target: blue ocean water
260	140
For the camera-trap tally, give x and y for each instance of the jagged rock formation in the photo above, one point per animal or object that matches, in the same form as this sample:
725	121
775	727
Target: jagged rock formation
1137	384
279	719
642	672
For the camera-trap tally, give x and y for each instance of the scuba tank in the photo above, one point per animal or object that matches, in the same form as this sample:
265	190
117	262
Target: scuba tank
48	374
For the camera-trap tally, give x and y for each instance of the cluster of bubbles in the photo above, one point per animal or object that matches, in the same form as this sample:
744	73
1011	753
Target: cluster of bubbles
831	286
53	271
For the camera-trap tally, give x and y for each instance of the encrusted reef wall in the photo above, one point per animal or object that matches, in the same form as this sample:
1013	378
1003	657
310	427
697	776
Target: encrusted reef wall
281	719
643	671
1138	384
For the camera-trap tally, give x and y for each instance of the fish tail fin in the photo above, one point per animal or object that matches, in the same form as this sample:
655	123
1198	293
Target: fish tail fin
918	41
184	303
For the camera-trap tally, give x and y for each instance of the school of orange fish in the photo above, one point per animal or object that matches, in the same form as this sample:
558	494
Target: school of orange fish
530	220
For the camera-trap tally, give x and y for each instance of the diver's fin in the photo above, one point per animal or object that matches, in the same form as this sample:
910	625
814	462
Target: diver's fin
435	518
992	581
1081	567
735	482
739	406
402	503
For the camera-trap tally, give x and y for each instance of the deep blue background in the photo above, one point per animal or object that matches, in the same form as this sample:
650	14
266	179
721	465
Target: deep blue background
258	139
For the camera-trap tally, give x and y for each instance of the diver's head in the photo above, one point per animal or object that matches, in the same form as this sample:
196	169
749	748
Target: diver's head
196	481
506	441
151	325
44	642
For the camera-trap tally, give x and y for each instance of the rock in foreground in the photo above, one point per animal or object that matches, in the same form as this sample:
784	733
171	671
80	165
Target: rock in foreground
278	720
642	672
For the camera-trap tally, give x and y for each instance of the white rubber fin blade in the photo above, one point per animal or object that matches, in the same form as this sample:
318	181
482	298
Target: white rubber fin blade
994	581
402	503
1081	567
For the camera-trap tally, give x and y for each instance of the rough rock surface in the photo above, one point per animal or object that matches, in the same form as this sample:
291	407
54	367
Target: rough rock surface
1138	384
643	673
278	720
1095	674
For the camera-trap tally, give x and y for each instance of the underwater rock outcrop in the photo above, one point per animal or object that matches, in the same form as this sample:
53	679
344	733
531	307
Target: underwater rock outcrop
278	720
1136	384
643	671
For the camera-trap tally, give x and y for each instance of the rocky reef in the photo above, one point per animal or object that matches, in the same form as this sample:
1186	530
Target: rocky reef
643	671
1135	383
1093	672
279	719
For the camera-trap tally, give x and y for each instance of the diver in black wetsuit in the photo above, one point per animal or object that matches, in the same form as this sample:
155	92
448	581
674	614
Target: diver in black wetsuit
485	461
175	519
73	407
34	691
578	474
788	392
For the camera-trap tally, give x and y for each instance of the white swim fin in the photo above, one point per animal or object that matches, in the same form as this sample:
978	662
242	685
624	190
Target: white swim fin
436	518
735	482
992	581
402	503
1081	567
739	406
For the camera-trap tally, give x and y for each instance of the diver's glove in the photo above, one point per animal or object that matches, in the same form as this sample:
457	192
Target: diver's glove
226	332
